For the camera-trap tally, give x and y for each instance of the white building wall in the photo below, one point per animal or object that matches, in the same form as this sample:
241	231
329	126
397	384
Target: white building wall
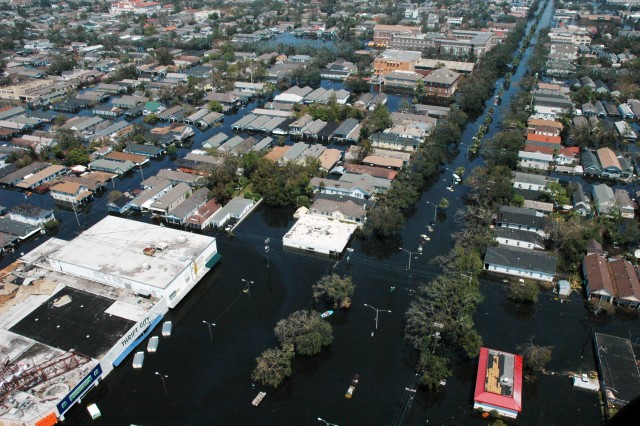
519	272
190	276
518	243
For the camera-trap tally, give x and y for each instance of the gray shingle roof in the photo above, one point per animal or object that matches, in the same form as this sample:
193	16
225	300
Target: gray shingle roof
520	258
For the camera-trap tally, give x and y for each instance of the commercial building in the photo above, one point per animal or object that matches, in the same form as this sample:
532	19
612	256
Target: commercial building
498	383
98	297
319	235
441	83
395	60
382	34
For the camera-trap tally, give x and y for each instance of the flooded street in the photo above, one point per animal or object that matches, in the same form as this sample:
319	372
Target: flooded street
209	380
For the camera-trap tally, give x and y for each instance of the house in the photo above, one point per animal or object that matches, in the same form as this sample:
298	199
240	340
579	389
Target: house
179	214
521	218
532	182
590	164
343	210
124	157
71	192
152	107
201	218
609	163
581	204
348	131
146	150
604	199
17	231
626	207
360	189
237	208
43	176
171	199
176	177
250	88
519	238
625	282
395	141
31	215
597	281
520	262
498	383
121	205
154	188
111	166
534	160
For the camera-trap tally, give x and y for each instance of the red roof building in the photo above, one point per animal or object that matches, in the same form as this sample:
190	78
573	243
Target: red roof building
499	383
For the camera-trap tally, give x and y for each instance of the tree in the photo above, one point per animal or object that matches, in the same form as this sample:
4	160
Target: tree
273	366
163	56
61	63
384	221
433	369
526	292
357	85
380	118
77	156
214	106
172	151
151	119
443	203
306	331
535	356
337	290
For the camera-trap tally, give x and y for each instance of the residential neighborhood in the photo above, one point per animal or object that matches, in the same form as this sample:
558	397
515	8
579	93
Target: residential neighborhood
467	170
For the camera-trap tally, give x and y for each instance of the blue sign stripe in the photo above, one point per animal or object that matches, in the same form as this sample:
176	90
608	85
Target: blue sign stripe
79	390
136	342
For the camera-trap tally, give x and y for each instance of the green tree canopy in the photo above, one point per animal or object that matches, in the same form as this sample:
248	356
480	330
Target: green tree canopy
306	331
380	118
273	366
336	290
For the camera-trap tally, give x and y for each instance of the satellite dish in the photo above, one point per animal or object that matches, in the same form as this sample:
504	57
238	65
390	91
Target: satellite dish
637	254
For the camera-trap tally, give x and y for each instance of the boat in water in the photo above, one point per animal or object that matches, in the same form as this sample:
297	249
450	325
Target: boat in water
326	314
352	388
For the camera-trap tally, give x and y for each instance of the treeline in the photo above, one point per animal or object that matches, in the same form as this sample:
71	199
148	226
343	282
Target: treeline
479	87
440	318
386	218
278	185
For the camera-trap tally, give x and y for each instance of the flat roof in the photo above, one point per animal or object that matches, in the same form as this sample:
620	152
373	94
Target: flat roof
115	246
82	325
618	368
319	234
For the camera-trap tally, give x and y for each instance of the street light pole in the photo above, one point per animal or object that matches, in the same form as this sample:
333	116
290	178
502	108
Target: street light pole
377	312
162	377
248	289
210	324
320	419
411	253
435	210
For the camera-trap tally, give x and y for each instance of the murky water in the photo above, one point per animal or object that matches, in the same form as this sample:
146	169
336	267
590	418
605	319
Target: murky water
209	381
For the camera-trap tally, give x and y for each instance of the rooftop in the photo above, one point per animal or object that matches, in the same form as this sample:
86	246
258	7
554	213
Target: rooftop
499	379
115	246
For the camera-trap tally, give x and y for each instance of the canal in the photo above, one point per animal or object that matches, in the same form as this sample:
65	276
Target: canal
209	377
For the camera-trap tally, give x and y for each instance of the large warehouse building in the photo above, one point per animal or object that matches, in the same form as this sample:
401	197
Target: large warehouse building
90	302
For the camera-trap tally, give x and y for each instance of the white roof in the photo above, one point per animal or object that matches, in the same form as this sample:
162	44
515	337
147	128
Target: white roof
114	246
319	234
288	97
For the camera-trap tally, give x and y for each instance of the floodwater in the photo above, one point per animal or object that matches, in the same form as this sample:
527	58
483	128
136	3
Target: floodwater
209	377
